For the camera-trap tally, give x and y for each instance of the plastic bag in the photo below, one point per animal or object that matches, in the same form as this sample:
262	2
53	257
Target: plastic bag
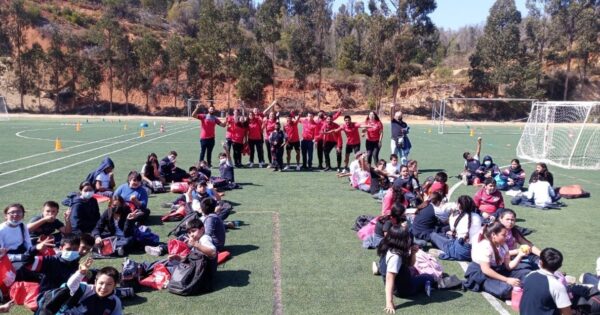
158	279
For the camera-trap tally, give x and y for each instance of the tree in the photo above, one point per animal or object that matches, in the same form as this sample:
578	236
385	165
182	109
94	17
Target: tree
175	62
15	25
91	79
148	52
496	60
268	28
537	35
255	72
127	65
107	34
231	38
572	20
209	44
33	61
56	63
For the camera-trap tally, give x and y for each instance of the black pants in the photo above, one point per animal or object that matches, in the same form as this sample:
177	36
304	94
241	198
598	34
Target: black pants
206	147
278	157
320	146
237	153
372	151
258	146
307	147
327	148
268	145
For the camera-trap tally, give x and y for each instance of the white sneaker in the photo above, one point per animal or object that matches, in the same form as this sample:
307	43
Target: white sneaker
250	164
434	252
375	268
269	166
449	282
344	171
297	167
287	168
261	164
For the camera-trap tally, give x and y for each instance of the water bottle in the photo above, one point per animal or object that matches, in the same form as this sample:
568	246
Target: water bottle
515	300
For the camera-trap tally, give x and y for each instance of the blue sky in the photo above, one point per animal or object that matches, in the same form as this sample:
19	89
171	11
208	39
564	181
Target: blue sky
454	14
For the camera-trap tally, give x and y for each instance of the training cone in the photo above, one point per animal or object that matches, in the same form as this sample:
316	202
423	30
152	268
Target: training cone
78	127
162	128
57	145
472	132
142	133
125	127
429	130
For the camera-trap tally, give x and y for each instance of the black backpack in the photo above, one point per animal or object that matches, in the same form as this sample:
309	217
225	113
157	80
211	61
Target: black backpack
191	276
180	228
52	301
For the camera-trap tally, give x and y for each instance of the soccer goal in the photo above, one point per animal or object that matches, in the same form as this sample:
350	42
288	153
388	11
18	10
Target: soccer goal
564	134
463	114
3	108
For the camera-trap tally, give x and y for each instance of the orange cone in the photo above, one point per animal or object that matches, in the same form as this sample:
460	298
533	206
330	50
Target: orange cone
125	127
78	127
142	133
472	132
57	145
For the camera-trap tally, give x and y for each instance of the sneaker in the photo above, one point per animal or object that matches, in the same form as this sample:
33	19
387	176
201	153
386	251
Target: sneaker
570	280
250	164
327	169
269	166
297	167
375	269
435	252
464	180
124	293
121	252
153	250
275	169
344	171
287	168
428	288
339	170
166	205
449	282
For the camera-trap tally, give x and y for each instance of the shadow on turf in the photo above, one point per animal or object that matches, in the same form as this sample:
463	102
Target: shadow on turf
153	220
431	170
438	296
232	278
136	300
237	250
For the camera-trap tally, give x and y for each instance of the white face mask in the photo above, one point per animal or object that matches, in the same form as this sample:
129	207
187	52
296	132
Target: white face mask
15	222
222	161
487	163
87	194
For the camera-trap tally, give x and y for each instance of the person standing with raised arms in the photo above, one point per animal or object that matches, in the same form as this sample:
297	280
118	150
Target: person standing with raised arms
208	122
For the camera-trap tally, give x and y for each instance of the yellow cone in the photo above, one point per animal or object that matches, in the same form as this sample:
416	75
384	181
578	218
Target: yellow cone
125	127
472	132
142	133
57	145
429	130
78	127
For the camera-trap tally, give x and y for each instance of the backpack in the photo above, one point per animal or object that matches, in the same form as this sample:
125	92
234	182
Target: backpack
427	264
192	276
130	275
180	228
53	301
68	201
361	221
573	191
144	236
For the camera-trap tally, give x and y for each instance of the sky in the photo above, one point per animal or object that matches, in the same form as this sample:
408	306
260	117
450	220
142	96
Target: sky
453	14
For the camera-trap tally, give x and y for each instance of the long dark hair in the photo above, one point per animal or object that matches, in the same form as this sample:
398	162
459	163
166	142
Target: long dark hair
121	209
397	240
493	228
435	198
467	206
398	195
396	213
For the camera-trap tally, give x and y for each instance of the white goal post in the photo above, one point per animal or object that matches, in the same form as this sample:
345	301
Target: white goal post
564	134
3	108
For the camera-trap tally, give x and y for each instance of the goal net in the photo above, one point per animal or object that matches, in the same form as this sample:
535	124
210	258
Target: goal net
3	108
564	134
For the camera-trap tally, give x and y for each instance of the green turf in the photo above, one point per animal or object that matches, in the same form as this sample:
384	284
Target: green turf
323	268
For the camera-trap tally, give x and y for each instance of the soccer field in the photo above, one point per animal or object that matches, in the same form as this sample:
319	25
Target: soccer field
295	252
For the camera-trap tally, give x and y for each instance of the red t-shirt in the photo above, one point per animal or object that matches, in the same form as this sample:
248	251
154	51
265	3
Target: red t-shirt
238	133
374	130
329	137
308	129
255	129
230	121
352	136
291	130
207	125
269	127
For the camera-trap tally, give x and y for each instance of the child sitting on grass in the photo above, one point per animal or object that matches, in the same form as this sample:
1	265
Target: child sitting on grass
117	221
472	164
46	224
489	199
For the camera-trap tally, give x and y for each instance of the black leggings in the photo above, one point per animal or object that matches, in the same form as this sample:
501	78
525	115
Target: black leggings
327	148
258	146
237	153
372	151
268	145
320	147
206	147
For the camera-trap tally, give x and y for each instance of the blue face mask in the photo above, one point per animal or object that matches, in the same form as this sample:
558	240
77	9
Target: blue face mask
69	255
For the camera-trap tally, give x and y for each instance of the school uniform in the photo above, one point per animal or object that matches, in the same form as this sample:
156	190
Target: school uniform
543	294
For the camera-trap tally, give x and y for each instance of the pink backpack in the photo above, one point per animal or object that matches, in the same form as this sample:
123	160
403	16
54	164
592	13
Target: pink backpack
427	264
367	230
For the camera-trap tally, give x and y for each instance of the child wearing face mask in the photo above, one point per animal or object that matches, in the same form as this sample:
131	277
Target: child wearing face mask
14	236
56	270
117	221
488	199
226	167
84	210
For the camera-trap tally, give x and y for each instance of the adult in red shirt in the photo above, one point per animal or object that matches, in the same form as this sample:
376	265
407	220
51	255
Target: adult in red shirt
330	136
255	138
352	139
230	121
374	132
269	125
293	140
309	130
238	137
321	117
207	131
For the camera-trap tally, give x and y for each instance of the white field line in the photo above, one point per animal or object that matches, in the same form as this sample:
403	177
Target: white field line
19	134
74	154
48	152
90	159
492	300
